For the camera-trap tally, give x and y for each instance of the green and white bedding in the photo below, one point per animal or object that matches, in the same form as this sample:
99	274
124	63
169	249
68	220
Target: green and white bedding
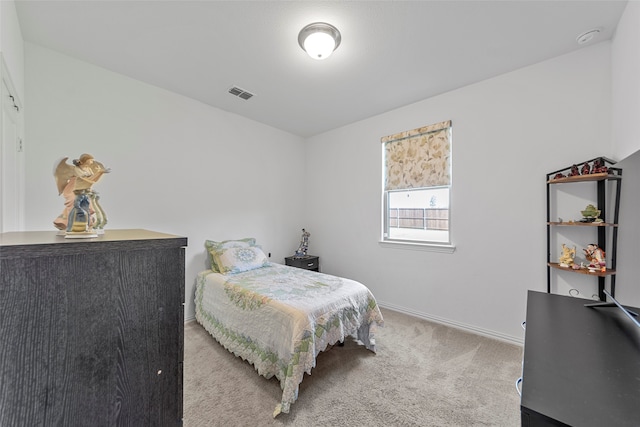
280	318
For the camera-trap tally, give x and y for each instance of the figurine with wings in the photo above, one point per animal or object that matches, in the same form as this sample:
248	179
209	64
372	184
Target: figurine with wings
77	180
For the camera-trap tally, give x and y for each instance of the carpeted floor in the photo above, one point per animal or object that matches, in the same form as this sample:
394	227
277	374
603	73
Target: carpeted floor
424	374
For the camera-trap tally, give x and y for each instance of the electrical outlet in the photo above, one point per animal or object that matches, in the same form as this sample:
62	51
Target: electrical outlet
20	146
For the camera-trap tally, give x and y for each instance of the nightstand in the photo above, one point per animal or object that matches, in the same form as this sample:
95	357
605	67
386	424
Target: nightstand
308	262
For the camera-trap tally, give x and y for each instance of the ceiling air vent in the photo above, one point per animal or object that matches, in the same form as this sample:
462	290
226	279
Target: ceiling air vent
241	93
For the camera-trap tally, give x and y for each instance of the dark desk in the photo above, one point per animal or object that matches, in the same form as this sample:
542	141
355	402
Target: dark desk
581	365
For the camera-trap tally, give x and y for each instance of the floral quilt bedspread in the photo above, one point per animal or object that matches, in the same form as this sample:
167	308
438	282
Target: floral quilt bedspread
279	318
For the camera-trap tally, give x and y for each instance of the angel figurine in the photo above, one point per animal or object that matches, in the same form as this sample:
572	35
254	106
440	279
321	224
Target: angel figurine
75	182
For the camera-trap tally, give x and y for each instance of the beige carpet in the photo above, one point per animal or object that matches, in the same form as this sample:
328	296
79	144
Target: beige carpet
424	374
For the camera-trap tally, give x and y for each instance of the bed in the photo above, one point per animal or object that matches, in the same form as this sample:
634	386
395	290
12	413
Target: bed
279	318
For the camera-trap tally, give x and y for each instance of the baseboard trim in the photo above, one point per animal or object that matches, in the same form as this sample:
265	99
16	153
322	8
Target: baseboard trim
458	325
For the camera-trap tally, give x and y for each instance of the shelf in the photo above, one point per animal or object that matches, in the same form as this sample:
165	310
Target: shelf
582	270
584	178
583	224
607	181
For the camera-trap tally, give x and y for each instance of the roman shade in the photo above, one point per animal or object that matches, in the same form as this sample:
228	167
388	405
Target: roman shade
418	158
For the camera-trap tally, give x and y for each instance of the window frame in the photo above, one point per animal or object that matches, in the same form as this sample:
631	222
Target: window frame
415	244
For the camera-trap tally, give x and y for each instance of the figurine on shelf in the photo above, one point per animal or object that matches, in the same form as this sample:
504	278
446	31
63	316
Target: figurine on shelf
596	258
586	169
598	166
590	214
574	171
567	257
559	175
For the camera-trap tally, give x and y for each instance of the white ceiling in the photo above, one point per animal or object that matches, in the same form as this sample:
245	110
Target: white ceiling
393	53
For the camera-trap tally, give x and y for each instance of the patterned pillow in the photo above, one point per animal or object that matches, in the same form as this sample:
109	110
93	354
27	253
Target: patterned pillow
213	247
238	259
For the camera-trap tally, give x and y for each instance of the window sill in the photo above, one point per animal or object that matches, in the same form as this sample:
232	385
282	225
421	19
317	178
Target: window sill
415	246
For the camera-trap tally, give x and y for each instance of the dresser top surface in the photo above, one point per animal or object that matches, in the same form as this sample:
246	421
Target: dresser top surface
581	365
26	238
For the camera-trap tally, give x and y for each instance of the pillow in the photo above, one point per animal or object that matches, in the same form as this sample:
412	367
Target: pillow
238	259
213	247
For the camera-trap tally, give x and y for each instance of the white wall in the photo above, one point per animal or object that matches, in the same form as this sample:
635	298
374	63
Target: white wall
508	132
625	59
12	45
625	64
178	166
12	177
627	281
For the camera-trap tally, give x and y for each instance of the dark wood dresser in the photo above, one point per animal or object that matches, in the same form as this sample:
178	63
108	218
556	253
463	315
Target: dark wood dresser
91	330
581	365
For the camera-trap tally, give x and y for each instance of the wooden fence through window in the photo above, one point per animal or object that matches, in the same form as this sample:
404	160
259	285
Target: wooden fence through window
419	218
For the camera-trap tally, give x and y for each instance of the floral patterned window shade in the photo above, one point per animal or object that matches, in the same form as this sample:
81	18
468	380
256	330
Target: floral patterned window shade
417	184
418	158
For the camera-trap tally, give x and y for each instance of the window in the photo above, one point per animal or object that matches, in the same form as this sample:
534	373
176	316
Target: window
417	185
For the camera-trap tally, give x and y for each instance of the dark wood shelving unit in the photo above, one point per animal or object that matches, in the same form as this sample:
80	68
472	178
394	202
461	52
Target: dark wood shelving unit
606	229
605	273
583	224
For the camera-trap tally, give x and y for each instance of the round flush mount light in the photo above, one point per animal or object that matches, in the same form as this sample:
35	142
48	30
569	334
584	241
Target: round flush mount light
319	39
587	36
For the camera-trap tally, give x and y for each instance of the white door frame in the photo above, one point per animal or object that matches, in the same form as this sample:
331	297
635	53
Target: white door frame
12	163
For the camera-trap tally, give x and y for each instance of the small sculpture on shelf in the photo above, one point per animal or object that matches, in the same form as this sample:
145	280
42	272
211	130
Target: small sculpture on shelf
596	258
599	167
567	257
595	166
590	214
559	176
304	244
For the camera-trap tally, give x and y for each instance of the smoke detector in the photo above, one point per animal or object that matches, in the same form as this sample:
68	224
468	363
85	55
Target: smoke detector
587	36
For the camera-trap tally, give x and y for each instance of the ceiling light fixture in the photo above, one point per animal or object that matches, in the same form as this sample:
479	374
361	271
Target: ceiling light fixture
319	39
